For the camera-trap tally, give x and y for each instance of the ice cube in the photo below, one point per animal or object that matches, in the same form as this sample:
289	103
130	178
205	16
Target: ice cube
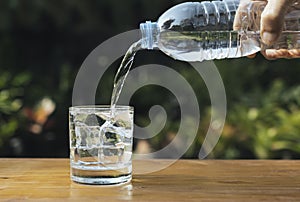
86	156
79	118
94	120
87	136
72	138
110	136
122	123
93	139
81	135
112	153
112	140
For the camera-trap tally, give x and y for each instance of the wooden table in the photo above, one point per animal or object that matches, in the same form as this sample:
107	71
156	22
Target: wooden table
185	180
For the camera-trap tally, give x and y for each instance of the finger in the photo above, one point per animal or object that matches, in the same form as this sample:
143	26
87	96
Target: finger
295	53
238	18
251	56
273	19
272	54
268	57
242	13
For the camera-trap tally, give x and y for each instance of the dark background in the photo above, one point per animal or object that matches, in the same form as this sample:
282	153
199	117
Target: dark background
43	44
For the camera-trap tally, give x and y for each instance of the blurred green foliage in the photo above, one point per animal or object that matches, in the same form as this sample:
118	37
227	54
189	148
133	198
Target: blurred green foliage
264	128
11	93
263	110
43	43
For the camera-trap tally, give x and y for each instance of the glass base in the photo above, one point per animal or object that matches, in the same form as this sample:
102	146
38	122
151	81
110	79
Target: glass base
102	180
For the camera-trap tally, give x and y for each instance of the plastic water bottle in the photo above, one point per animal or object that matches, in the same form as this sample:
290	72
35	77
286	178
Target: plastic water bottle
204	31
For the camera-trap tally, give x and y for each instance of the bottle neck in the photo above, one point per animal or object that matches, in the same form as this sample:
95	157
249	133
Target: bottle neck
150	33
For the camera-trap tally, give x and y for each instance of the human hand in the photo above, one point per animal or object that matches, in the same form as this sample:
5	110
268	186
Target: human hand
272	20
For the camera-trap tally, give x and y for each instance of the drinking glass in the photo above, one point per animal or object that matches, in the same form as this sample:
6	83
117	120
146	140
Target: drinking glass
101	144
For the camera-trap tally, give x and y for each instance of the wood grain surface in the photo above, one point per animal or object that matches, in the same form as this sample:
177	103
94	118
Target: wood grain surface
185	180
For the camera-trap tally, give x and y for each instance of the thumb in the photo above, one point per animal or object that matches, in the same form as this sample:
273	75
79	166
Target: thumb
272	20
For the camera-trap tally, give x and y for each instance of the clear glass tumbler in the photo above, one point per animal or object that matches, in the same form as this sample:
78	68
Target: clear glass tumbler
101	144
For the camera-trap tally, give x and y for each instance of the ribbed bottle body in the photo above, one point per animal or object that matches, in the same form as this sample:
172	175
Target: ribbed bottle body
195	31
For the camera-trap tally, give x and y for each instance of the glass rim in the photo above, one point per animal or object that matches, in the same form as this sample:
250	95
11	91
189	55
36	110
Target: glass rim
101	107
